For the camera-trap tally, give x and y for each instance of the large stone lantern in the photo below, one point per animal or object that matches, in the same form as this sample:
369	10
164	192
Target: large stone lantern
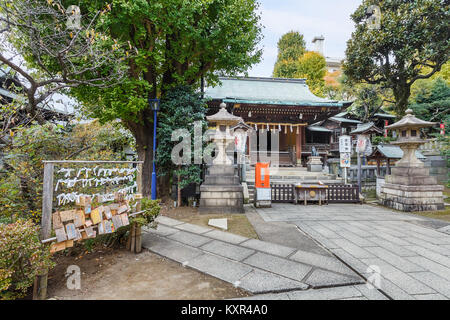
221	192
410	186
223	121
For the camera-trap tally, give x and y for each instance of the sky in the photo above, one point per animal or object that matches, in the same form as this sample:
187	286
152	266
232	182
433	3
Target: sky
330	18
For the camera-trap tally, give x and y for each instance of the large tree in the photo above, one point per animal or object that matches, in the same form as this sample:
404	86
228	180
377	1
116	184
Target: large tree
291	47
177	42
295	62
411	36
46	54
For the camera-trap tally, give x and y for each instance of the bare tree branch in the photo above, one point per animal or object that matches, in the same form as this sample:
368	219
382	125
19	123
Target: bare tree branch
61	57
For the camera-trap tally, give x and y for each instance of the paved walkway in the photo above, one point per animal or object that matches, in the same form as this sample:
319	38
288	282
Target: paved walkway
253	265
412	258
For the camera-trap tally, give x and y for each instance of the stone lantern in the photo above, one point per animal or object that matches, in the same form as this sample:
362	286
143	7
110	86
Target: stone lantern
410	186
221	191
224	121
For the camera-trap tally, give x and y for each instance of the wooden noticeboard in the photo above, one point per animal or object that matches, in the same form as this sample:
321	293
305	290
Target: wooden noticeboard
82	221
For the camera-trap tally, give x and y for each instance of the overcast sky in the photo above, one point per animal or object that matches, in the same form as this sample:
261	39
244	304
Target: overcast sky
330	18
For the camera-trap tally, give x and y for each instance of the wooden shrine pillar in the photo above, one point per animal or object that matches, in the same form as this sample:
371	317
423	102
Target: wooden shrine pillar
298	144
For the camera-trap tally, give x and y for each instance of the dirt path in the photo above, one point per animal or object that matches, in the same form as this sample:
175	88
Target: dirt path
119	274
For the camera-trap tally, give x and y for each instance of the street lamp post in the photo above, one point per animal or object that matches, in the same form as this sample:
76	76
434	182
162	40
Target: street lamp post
154	104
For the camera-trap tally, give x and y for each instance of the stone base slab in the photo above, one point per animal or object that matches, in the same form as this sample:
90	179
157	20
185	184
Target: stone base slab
408	171
412	198
411	180
314	167
408	188
411	207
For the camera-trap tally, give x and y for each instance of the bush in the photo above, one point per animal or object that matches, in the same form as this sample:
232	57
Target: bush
147	217
22	258
21	184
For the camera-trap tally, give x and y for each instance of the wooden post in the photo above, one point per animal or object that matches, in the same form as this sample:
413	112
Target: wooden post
40	290
138	231
298	146
378	166
359	172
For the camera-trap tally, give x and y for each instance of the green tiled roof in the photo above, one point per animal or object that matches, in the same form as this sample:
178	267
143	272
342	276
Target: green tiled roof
394	152
339	119
364	127
274	91
318	129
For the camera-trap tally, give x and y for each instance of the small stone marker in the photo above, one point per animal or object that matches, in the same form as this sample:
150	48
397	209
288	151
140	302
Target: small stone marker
219	223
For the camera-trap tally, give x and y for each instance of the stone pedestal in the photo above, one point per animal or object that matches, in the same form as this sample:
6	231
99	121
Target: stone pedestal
221	192
412	189
314	164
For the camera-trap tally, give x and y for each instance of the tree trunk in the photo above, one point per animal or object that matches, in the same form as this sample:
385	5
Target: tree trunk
143	133
401	94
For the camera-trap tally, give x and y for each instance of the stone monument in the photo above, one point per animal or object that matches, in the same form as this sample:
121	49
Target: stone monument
221	192
410	187
314	163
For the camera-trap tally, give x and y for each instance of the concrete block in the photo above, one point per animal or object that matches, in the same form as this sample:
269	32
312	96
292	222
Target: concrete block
168	221
325	294
219	223
226	236
193	228
220	268
161	230
398	262
284	267
353	249
323	278
169	249
441	285
227	250
189	238
268	247
437	268
324	262
259	281
370	293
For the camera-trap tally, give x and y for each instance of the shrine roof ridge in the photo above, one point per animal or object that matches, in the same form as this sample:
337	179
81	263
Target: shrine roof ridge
268	91
266	79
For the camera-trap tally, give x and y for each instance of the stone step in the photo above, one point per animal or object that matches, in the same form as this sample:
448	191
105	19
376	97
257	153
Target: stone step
222	179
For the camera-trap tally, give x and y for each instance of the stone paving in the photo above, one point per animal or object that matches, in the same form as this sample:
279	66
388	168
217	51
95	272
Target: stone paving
253	265
413	260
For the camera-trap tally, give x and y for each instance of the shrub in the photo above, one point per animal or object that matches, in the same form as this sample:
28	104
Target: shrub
22	258
146	218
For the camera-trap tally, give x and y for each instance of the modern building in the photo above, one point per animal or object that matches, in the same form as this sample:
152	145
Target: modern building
333	64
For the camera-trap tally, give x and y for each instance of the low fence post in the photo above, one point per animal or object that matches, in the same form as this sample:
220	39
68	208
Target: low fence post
40	289
138	229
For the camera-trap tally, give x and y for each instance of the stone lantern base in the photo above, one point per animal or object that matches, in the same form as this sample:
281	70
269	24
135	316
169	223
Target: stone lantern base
314	164
221	192
412	189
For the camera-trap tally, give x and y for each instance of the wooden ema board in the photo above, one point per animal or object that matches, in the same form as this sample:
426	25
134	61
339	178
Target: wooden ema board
86	222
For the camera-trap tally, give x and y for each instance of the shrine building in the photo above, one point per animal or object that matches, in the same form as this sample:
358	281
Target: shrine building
285	105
